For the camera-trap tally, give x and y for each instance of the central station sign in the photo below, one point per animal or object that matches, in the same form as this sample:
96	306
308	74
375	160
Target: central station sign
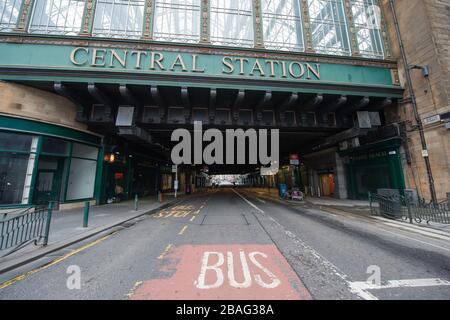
165	61
113	61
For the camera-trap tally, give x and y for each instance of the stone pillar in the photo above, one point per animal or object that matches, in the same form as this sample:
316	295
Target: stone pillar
149	13
257	18
309	47
351	28
24	16
88	18
340	186
204	18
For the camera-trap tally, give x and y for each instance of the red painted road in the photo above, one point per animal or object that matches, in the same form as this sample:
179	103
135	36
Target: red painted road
224	272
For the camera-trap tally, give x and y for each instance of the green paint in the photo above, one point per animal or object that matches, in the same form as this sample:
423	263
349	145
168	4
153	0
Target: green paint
57	58
36	127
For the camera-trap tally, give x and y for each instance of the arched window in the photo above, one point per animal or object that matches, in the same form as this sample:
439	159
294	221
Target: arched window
119	18
282	25
329	30
57	17
231	23
177	20
367	21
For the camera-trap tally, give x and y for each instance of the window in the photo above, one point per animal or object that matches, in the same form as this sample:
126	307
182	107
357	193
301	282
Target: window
177	20
55	146
329	27
83	169
367	21
17	160
9	13
57	17
119	18
231	23
282	25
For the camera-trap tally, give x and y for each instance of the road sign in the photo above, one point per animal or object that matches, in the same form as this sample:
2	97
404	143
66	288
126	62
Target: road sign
294	159
174	168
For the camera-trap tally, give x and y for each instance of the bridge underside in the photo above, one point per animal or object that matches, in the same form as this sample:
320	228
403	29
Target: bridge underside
144	117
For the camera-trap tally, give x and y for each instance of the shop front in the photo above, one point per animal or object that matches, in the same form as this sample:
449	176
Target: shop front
374	168
42	163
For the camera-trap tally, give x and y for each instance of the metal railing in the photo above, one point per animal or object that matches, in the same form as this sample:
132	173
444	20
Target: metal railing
31	225
399	207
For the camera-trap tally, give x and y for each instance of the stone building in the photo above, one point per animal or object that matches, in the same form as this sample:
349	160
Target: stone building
90	91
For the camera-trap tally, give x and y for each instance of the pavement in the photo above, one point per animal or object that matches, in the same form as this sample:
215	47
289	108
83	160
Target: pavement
66	227
238	244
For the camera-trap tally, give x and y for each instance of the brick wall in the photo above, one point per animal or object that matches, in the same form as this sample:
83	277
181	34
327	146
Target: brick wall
425	28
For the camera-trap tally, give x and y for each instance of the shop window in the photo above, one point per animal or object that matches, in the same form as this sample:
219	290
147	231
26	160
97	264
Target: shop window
329	27
17	161
282	25
84	151
13	170
177	20
15	142
57	17
55	146
82	173
81	179
9	14
231	23
119	18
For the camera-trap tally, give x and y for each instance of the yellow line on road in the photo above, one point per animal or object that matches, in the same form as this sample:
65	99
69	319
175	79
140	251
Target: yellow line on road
165	252
183	230
54	262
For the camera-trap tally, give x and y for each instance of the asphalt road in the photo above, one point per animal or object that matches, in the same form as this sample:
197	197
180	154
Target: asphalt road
234	244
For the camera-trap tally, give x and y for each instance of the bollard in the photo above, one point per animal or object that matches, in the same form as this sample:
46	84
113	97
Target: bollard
160	197
136	203
86	214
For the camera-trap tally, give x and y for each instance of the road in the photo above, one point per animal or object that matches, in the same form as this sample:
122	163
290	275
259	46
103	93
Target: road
236	244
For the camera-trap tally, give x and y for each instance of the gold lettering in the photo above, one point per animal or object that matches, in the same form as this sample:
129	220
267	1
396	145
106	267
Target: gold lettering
291	70
242	62
157	61
257	67
194	64
315	72
73	56
272	66
179	63
138	58
98	54
227	62
115	56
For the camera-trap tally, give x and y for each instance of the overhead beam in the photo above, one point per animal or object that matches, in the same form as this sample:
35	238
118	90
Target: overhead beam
83	107
99	95
156	95
335	104
212	104
287	104
313	103
238	102
357	106
261	104
384	104
186	104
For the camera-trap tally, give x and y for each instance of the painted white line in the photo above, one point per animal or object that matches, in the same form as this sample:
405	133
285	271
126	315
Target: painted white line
260	200
361	287
423	232
248	201
416	240
413	227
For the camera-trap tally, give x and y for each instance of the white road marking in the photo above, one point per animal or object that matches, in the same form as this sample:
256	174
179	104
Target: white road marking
260	200
423	232
248	201
362	287
416	240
